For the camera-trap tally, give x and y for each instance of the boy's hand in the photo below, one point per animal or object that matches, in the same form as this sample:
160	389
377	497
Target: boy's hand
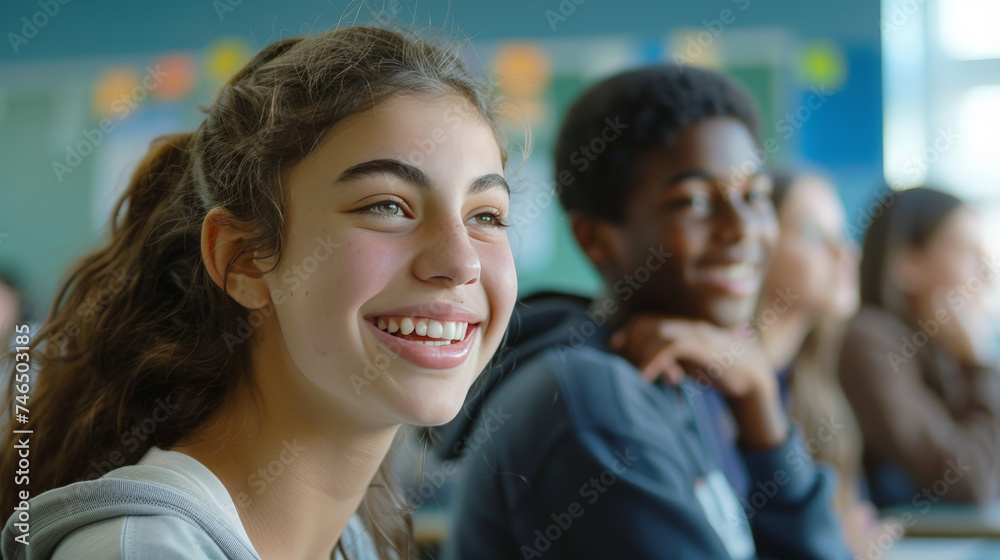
659	346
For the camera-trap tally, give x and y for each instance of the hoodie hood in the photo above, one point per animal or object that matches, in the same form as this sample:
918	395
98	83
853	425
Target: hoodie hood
537	323
133	490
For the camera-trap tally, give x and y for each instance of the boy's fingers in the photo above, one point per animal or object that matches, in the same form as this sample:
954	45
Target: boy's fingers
676	374
665	367
661	364
674	328
651	372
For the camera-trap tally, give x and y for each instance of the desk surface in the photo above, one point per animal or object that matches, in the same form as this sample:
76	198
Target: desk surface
919	548
946	533
949	520
430	526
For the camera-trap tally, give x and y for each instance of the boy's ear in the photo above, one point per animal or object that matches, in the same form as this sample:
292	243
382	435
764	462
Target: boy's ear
599	240
221	244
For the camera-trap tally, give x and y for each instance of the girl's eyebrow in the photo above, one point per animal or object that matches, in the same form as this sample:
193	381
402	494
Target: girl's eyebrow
414	175
489	181
393	167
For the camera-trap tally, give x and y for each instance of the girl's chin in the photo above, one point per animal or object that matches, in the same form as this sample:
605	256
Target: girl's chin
429	404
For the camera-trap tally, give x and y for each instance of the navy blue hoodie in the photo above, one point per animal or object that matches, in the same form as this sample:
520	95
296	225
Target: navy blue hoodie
591	461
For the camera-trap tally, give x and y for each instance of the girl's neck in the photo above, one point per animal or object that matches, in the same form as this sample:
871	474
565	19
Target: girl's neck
295	472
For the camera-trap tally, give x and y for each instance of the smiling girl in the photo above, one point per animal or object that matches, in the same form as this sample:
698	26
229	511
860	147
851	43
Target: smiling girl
322	260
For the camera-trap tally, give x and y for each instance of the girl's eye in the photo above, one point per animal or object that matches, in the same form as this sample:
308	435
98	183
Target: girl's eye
812	233
385	208
489	219
758	197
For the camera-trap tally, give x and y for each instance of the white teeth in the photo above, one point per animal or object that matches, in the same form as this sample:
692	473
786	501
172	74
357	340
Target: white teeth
449	330
732	271
433	342
445	331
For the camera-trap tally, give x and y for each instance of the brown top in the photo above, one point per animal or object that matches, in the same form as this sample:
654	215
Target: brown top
918	408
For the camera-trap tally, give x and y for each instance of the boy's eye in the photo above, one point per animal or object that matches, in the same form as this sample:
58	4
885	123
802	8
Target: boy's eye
699	203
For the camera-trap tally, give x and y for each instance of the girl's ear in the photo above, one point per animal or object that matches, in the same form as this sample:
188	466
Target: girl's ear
598	239
222	247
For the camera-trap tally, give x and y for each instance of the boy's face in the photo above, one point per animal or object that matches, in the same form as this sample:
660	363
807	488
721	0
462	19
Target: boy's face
702	202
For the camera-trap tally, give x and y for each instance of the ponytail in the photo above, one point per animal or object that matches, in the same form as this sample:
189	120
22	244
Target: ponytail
130	353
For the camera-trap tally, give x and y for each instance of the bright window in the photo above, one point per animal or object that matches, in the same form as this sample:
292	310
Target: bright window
968	28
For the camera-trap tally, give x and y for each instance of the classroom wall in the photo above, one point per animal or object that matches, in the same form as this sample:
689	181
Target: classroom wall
45	90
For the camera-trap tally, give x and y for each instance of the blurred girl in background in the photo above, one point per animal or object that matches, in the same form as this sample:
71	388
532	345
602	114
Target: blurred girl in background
810	291
916	360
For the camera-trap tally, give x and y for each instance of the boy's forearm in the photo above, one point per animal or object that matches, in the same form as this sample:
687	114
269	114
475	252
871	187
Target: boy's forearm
791	505
762	420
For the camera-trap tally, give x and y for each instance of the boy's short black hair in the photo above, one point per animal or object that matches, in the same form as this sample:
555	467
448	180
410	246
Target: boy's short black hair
623	117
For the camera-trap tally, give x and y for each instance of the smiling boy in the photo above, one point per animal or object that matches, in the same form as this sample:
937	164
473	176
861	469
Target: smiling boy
596	461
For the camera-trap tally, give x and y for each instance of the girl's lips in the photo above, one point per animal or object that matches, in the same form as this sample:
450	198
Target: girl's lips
446	356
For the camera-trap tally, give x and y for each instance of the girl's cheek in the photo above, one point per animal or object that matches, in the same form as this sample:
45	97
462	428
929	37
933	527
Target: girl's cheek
499	277
950	272
369	263
338	275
